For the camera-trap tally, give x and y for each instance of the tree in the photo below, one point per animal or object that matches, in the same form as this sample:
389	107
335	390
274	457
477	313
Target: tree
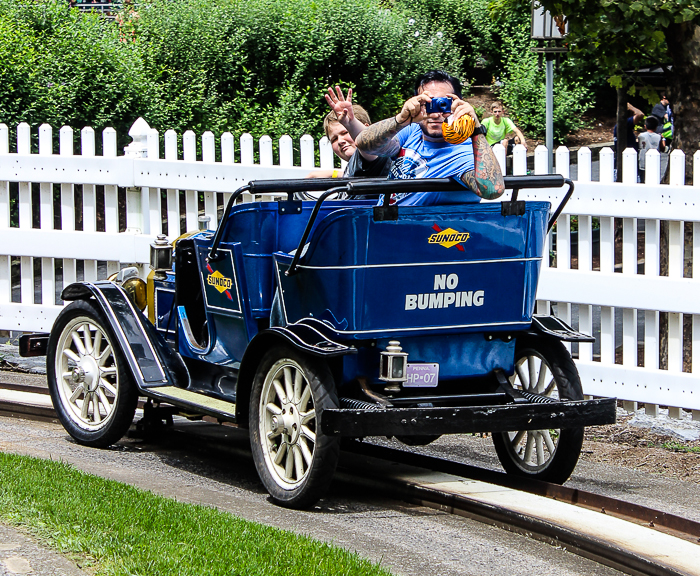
624	34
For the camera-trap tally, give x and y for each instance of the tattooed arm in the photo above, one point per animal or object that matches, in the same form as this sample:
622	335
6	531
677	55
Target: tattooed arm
379	139
486	180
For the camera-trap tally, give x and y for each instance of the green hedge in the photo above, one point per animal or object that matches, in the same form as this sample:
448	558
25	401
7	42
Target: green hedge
258	66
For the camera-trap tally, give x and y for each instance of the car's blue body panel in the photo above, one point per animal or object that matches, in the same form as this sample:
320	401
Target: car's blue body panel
438	279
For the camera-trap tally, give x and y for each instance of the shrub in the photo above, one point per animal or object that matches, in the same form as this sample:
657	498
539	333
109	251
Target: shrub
65	68
262	66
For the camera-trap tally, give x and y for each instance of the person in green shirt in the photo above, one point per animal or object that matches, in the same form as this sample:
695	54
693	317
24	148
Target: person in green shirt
499	128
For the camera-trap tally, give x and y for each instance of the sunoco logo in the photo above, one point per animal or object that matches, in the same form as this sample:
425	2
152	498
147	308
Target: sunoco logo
448	238
219	281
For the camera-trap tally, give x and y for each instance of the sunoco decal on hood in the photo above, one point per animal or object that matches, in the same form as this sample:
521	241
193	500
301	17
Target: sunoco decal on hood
448	237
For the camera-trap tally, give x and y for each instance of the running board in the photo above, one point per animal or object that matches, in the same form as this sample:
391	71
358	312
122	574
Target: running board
194	402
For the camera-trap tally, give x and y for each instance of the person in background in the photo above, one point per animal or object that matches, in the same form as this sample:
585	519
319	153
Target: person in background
636	117
660	111
499	128
650	139
342	125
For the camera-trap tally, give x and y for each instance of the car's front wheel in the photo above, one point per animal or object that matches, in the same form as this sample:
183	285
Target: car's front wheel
294	459
90	383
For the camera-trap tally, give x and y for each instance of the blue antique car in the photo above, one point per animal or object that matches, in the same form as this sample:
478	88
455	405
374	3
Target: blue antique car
310	321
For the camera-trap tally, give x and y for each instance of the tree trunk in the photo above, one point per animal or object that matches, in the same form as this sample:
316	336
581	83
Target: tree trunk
684	48
621	130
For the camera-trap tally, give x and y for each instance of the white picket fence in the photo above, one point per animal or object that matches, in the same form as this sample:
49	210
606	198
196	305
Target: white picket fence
41	253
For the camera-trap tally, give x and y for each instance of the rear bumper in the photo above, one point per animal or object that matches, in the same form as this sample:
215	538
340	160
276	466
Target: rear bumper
468	419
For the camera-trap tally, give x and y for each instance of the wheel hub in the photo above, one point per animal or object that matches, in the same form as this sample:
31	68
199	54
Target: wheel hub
289	422
88	372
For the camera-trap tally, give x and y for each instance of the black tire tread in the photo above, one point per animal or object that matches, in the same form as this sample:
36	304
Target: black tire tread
327	448
128	393
568	449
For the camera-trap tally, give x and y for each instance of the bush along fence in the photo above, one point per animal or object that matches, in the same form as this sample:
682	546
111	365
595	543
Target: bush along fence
624	257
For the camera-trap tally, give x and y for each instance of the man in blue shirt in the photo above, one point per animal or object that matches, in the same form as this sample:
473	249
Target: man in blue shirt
415	140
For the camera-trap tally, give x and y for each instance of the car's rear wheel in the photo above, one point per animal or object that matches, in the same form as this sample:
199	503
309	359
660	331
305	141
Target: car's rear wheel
543	366
294	459
90	384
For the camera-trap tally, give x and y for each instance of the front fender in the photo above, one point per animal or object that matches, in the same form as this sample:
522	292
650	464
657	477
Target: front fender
153	363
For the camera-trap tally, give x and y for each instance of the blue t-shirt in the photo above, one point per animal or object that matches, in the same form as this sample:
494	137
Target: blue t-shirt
420	158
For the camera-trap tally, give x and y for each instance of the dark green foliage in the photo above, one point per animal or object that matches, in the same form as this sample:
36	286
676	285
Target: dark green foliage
494	39
65	68
474	26
262	66
258	66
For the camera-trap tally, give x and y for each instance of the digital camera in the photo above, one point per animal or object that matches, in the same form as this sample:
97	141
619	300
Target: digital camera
439	105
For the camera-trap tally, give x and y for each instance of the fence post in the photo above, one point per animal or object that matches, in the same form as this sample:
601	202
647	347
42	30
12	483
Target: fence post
607	165
5	272
25	217
172	227
541	160
629	166
541	167
48	283
585	255
65	144
675	319
209	156
46	196
696	168
109	150
519	160
138	148
563	235
652	242
584	164
677	168
153	144
265	144
227	157
306	146
4	139
563	159
652	172
87	149
25	197
247	149
227	148
189	154
286	151
326	151
500	153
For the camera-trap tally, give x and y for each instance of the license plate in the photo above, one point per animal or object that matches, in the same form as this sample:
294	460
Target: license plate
422	375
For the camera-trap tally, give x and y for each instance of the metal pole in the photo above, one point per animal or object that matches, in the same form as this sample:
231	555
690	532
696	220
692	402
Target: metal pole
549	134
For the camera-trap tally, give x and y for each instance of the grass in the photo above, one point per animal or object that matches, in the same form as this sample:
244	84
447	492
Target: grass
122	530
678	447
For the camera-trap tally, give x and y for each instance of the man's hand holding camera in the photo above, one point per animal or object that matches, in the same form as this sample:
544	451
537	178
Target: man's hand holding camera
420	107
